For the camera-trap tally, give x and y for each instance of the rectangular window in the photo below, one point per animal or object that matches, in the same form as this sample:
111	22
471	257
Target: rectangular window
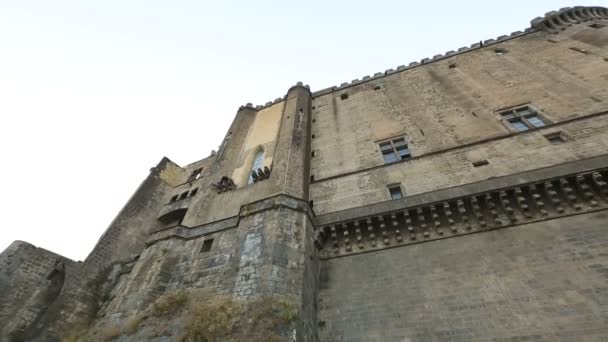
395	150
207	245
523	118
395	191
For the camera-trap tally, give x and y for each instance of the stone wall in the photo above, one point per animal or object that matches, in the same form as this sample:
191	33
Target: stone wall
544	281
447	110
30	280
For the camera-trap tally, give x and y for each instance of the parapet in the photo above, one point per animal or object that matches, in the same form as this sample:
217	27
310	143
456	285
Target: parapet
557	21
553	22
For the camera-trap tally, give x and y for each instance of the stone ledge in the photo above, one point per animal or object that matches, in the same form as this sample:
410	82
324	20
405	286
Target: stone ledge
188	233
491	205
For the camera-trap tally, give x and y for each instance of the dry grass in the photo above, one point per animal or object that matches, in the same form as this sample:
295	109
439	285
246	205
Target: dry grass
132	324
110	332
225	319
168	304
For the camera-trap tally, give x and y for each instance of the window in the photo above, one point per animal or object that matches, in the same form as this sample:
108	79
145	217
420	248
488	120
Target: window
257	164
193	192
583	51
344	96
480	163
395	191
174	198
500	51
196	174
183	195
394	150
556	138
207	245
523	118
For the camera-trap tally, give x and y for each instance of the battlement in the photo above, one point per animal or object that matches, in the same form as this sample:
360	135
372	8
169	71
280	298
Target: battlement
557	21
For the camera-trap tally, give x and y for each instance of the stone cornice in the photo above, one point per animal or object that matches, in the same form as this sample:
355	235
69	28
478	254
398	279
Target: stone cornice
493	208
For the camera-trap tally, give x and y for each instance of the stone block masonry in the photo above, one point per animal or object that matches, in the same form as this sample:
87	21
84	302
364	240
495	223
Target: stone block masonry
545	281
460	198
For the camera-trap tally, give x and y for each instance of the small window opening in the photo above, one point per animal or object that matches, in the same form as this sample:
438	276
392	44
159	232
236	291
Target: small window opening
556	138
395	192
597	26
314	120
377	87
523	118
207	245
193	192
183	195
500	51
196	174
583	51
313	107
312	178
311	203
313	136
174	198
452	66
343	96
312	154
481	163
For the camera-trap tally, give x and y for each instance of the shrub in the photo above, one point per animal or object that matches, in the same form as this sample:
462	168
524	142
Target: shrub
110	332
132	324
169	303
212	321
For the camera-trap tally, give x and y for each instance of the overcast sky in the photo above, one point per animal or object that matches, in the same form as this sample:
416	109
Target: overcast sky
94	93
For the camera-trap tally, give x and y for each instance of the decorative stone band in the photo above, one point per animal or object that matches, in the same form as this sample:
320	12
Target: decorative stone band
563	196
555	22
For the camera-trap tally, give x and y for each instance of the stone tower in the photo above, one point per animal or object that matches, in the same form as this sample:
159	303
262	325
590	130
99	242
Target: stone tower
459	198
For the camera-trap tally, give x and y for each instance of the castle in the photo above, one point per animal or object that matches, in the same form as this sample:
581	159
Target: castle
460	198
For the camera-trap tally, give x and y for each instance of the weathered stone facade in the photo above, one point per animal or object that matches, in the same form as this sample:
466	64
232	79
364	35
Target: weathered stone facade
460	198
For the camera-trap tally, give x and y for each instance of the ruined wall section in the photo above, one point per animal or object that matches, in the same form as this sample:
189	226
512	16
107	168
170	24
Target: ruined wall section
82	295
30	280
544	281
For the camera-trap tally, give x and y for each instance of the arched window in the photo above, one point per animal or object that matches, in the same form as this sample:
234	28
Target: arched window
257	164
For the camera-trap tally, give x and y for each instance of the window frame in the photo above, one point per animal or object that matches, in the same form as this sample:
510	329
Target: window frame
398	186
259	157
196	174
395	149
522	116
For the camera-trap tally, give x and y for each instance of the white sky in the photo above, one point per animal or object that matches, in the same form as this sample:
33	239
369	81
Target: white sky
94	93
